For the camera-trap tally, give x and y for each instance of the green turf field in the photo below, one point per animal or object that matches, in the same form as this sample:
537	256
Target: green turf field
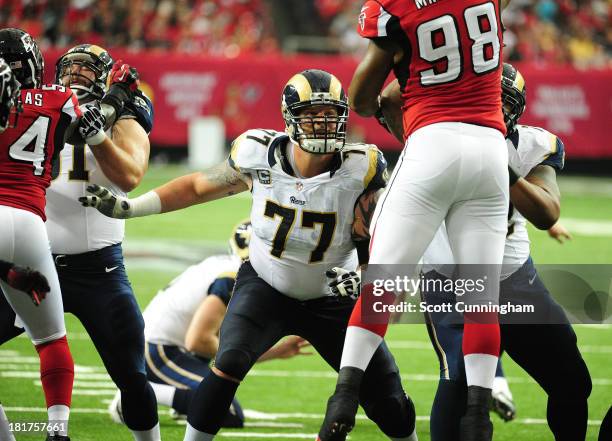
286	399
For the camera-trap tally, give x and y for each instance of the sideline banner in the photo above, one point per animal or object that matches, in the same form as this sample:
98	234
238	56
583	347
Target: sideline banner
245	92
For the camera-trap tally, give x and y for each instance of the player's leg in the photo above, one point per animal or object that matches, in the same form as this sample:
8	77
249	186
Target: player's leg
549	353
24	241
323	323
106	306
254	322
5	430
476	225
174	375
445	331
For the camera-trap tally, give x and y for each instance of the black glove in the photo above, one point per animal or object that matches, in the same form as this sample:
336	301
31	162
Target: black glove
29	281
91	126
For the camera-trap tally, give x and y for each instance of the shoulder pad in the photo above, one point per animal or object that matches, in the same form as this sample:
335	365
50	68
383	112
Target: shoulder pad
556	159
141	108
250	150
535	146
375	164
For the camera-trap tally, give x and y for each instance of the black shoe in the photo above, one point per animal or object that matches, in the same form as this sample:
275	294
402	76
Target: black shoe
339	417
476	425
57	438
342	406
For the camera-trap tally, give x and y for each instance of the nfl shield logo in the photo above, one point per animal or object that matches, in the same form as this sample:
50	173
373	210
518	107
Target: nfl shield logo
299	186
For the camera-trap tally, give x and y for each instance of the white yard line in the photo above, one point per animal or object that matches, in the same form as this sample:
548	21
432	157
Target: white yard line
258	415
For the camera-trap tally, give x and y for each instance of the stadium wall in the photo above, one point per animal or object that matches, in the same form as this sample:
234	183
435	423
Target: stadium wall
245	92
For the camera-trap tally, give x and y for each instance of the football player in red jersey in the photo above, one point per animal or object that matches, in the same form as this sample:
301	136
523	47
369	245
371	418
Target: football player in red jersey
447	58
29	144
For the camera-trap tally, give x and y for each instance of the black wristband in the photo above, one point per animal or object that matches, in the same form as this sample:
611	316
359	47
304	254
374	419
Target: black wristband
5	267
117	95
513	176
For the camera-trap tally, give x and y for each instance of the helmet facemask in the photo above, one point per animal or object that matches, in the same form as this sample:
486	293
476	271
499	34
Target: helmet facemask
84	73
10	105
317	126
513	96
315	110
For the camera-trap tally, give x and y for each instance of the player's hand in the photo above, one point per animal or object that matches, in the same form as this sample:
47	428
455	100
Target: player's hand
123	80
91	126
344	283
107	202
125	75
290	347
559	233
33	283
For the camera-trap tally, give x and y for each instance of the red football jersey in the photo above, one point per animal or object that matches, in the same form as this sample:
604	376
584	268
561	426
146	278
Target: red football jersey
26	151
452	58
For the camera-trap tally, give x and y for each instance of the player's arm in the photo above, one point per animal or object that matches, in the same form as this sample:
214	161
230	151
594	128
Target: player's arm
371	75
289	347
202	336
124	157
537	197
185	191
364	210
391	110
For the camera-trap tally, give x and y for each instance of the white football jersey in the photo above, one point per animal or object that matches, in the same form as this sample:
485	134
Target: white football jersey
72	228
168	315
302	226
527	147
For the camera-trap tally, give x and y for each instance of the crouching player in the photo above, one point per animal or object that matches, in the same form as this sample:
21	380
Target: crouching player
182	325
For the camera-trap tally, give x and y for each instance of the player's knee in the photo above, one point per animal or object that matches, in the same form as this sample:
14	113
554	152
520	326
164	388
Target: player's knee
235	363
126	321
131	382
395	415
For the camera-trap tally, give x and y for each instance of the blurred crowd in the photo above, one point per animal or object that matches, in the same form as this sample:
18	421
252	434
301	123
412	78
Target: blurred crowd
561	32
220	27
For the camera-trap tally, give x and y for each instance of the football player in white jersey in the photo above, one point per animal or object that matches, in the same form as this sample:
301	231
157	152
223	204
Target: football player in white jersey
182	328
313	196
546	350
87	245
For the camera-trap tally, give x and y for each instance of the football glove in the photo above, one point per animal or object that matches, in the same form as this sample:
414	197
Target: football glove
31	282
123	80
91	126
107	202
344	283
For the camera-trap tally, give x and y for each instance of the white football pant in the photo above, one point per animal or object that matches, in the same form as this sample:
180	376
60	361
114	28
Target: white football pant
24	241
448	171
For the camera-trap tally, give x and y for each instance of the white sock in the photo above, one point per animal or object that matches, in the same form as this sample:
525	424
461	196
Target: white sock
164	393
192	434
147	435
480	369
5	432
412	437
58	419
359	347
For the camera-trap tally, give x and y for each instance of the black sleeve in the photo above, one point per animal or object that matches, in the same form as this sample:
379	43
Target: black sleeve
222	288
